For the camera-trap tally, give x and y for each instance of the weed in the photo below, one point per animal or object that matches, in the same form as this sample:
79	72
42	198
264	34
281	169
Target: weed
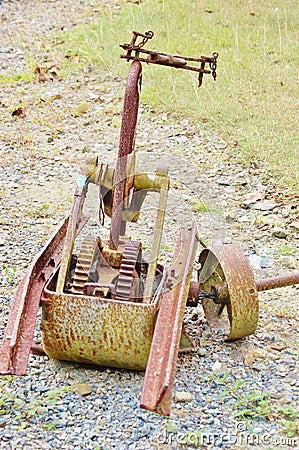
254	405
258	405
285	311
291	427
13	78
286	250
198	206
42	211
11	274
171	427
84	149
10	401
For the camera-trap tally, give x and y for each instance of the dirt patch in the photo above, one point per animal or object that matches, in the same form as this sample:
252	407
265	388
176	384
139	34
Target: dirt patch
63	119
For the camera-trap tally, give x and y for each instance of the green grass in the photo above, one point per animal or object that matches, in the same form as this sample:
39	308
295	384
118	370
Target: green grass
256	404
286	250
13	78
16	407
253	100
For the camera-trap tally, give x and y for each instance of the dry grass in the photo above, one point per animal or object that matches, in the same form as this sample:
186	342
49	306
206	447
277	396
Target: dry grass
254	98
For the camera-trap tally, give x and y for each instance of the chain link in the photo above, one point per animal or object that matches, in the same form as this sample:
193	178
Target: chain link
148	35
213	65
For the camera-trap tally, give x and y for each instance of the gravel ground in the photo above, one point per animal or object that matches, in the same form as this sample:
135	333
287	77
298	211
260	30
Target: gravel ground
241	394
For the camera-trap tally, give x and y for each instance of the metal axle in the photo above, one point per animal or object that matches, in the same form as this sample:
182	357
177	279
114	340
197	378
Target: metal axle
277	282
220	293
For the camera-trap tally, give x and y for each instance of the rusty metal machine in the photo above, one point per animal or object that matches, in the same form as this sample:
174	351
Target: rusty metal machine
103	302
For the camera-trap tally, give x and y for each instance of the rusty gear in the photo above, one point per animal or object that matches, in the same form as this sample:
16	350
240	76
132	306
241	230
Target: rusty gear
127	268
85	260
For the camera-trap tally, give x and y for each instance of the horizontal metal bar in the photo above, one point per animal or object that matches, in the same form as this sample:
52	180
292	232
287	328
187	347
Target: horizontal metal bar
277	282
194	69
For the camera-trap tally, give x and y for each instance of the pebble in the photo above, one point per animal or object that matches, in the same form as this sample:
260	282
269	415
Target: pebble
266	262
183	397
255	261
217	366
81	389
202	351
280	232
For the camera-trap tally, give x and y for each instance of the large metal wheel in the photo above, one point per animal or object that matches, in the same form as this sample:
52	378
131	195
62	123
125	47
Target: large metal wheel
228	291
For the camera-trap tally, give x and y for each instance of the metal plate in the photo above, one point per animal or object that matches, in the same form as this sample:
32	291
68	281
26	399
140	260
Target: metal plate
97	330
229	266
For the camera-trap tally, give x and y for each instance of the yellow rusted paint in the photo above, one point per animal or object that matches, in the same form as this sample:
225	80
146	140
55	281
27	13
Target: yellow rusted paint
97	330
229	267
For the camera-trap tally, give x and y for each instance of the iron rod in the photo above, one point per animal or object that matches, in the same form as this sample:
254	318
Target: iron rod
126	146
277	282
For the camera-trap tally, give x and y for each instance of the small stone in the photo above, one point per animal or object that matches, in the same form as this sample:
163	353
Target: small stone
61	424
202	351
259	353
182	139
81	108
4	421
217	366
279	233
249	359
4	49
275	395
255	261
223	181
81	389
183	397
277	347
266	262
266	205
269	326
295	225
41	410
244	219
202	342
273	357
259	367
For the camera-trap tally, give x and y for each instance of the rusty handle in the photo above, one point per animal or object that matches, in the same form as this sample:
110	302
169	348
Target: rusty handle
126	146
277	282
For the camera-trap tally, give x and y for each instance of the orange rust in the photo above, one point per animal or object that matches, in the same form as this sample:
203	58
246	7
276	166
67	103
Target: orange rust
161	368
97	330
229	267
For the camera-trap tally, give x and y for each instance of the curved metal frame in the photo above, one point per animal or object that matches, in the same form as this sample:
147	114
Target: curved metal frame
230	269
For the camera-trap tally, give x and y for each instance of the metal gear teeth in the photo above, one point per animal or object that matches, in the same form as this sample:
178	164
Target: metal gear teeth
83	265
126	271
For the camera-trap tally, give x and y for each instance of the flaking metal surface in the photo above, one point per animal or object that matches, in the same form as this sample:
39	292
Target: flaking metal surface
17	340
277	282
126	147
161	368
239	317
97	330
